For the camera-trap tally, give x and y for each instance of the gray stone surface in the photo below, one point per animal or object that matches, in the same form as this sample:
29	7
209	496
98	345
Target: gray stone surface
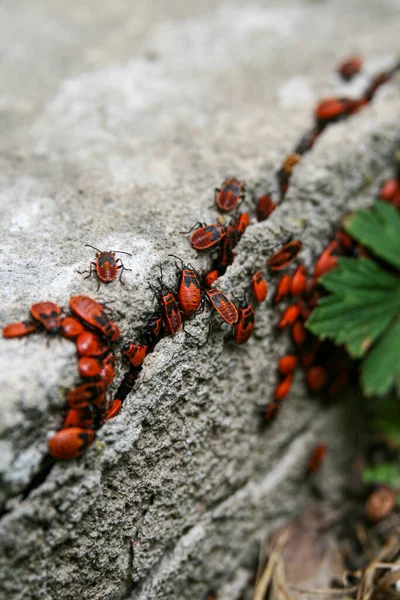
118	120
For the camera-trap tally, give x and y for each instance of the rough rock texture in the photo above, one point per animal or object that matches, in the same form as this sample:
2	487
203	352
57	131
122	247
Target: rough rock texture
117	123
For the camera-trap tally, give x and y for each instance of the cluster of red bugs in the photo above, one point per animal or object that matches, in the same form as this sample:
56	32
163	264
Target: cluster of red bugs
94	332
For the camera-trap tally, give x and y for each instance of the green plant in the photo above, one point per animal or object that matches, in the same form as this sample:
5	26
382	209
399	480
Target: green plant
362	310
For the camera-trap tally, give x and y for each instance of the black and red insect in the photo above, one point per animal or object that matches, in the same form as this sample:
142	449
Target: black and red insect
85	393
189	289
136	353
106	265
210	277
14	330
229	242
349	68
265	206
207	236
259	287
70	327
332	110
284	256
242	222
94	315
244	326
169	307
285	172
48	314
224	307
153	330
270	411
70	442
229	194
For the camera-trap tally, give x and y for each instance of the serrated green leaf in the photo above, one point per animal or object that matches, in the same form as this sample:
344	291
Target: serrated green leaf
384	474
381	368
364	301
378	228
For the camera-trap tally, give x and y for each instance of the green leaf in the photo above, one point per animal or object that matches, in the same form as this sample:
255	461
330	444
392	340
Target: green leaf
364	302
381	368
387	420
384	474
377	228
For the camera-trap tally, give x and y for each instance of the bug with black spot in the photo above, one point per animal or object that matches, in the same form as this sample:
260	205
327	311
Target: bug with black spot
48	314
169	307
106	265
14	330
224	307
189	289
244	326
206	236
229	194
94	315
284	256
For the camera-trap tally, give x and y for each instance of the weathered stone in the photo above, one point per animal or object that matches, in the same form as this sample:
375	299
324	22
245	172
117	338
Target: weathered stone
117	125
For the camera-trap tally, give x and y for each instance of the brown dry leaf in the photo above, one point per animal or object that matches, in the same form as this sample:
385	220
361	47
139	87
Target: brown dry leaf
278	583
388	579
312	557
266	577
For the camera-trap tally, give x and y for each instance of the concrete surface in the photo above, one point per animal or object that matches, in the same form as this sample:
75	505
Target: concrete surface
118	120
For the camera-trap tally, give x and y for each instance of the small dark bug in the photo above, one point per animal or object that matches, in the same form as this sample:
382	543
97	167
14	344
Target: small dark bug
376	83
154	329
14	330
244	326
70	327
271	411
211	277
169	307
135	353
71	442
92	313
299	334
79	417
307	141
259	287
189	291
265	207
242	222
316	458
284	256
106	266
285	172
87	392
225	308
48	314
317	378
229	194
88	367
89	344
172	315
229	242
207	236
283	388
350	67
